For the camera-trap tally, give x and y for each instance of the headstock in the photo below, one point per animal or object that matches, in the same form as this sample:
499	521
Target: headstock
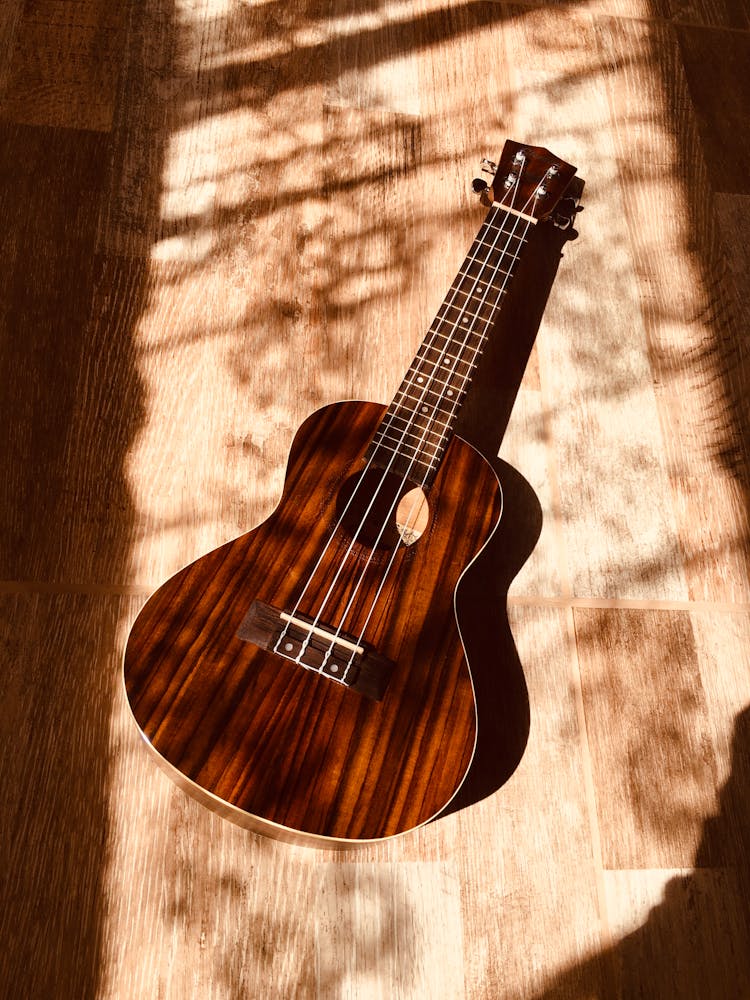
529	180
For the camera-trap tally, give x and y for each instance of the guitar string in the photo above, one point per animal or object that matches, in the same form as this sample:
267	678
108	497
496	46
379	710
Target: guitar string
411	512
502	258
435	333
489	288
511	192
450	383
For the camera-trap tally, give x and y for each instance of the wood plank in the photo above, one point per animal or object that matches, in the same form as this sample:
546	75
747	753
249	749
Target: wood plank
374	57
695	340
205	906
10	16
733	214
715	64
66	64
234	293
724	642
526	447
594	363
65	379
56	695
676	932
258	253
372	296
390	911
719	13
650	734
234	913
525	846
687	928
151	77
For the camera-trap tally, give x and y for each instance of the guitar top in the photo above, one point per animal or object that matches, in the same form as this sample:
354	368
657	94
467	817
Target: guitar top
310	679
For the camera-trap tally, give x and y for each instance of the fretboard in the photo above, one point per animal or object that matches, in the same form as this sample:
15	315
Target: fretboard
416	430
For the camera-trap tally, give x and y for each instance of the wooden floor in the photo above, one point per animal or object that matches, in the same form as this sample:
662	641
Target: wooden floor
218	215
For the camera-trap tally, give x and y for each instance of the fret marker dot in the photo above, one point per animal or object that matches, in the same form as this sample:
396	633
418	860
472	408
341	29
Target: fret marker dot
288	646
424	409
446	362
420	379
449	392
334	668
465	319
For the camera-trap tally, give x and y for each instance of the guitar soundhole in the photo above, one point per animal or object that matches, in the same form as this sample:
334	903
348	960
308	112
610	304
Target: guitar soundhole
382	509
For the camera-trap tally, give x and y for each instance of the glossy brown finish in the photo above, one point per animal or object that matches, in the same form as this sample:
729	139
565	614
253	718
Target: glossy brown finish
533	172
286	745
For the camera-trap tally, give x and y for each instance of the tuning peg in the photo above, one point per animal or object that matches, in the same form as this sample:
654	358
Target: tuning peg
566	212
481	187
488	167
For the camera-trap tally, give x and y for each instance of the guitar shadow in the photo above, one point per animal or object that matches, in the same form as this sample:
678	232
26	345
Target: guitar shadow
481	599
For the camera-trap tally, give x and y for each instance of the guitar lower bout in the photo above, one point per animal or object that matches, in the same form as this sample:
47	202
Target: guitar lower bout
239	681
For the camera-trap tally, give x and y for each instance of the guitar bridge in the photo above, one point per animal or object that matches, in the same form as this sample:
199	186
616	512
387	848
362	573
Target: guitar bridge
317	647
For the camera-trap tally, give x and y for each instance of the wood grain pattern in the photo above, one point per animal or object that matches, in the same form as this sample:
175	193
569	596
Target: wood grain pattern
516	886
58	683
65	65
266	223
284	744
596	530
691	311
656	780
652	910
715	64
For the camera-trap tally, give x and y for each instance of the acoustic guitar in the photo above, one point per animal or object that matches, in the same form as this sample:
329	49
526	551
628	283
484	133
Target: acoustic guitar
310	679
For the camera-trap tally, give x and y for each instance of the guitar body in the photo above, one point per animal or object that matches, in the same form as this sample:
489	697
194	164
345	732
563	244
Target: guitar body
287	750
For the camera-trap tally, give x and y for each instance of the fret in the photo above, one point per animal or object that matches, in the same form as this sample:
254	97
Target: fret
515	228
465	315
501	242
400	445
424	378
450	338
495	271
448	383
489	227
504	244
449	360
481	296
485	291
440	358
496	268
449	398
444	358
419	422
409	420
480	283
487	298
495	249
406	464
424	436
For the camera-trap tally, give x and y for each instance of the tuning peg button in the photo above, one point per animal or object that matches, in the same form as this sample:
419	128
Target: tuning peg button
479	185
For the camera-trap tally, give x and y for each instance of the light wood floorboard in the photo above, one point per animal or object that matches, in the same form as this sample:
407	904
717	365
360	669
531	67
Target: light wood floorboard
217	216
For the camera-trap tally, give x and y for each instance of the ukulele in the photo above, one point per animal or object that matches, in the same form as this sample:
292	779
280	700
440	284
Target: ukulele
310	679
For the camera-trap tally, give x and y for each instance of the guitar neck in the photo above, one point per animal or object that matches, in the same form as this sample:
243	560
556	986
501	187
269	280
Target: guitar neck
418	425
